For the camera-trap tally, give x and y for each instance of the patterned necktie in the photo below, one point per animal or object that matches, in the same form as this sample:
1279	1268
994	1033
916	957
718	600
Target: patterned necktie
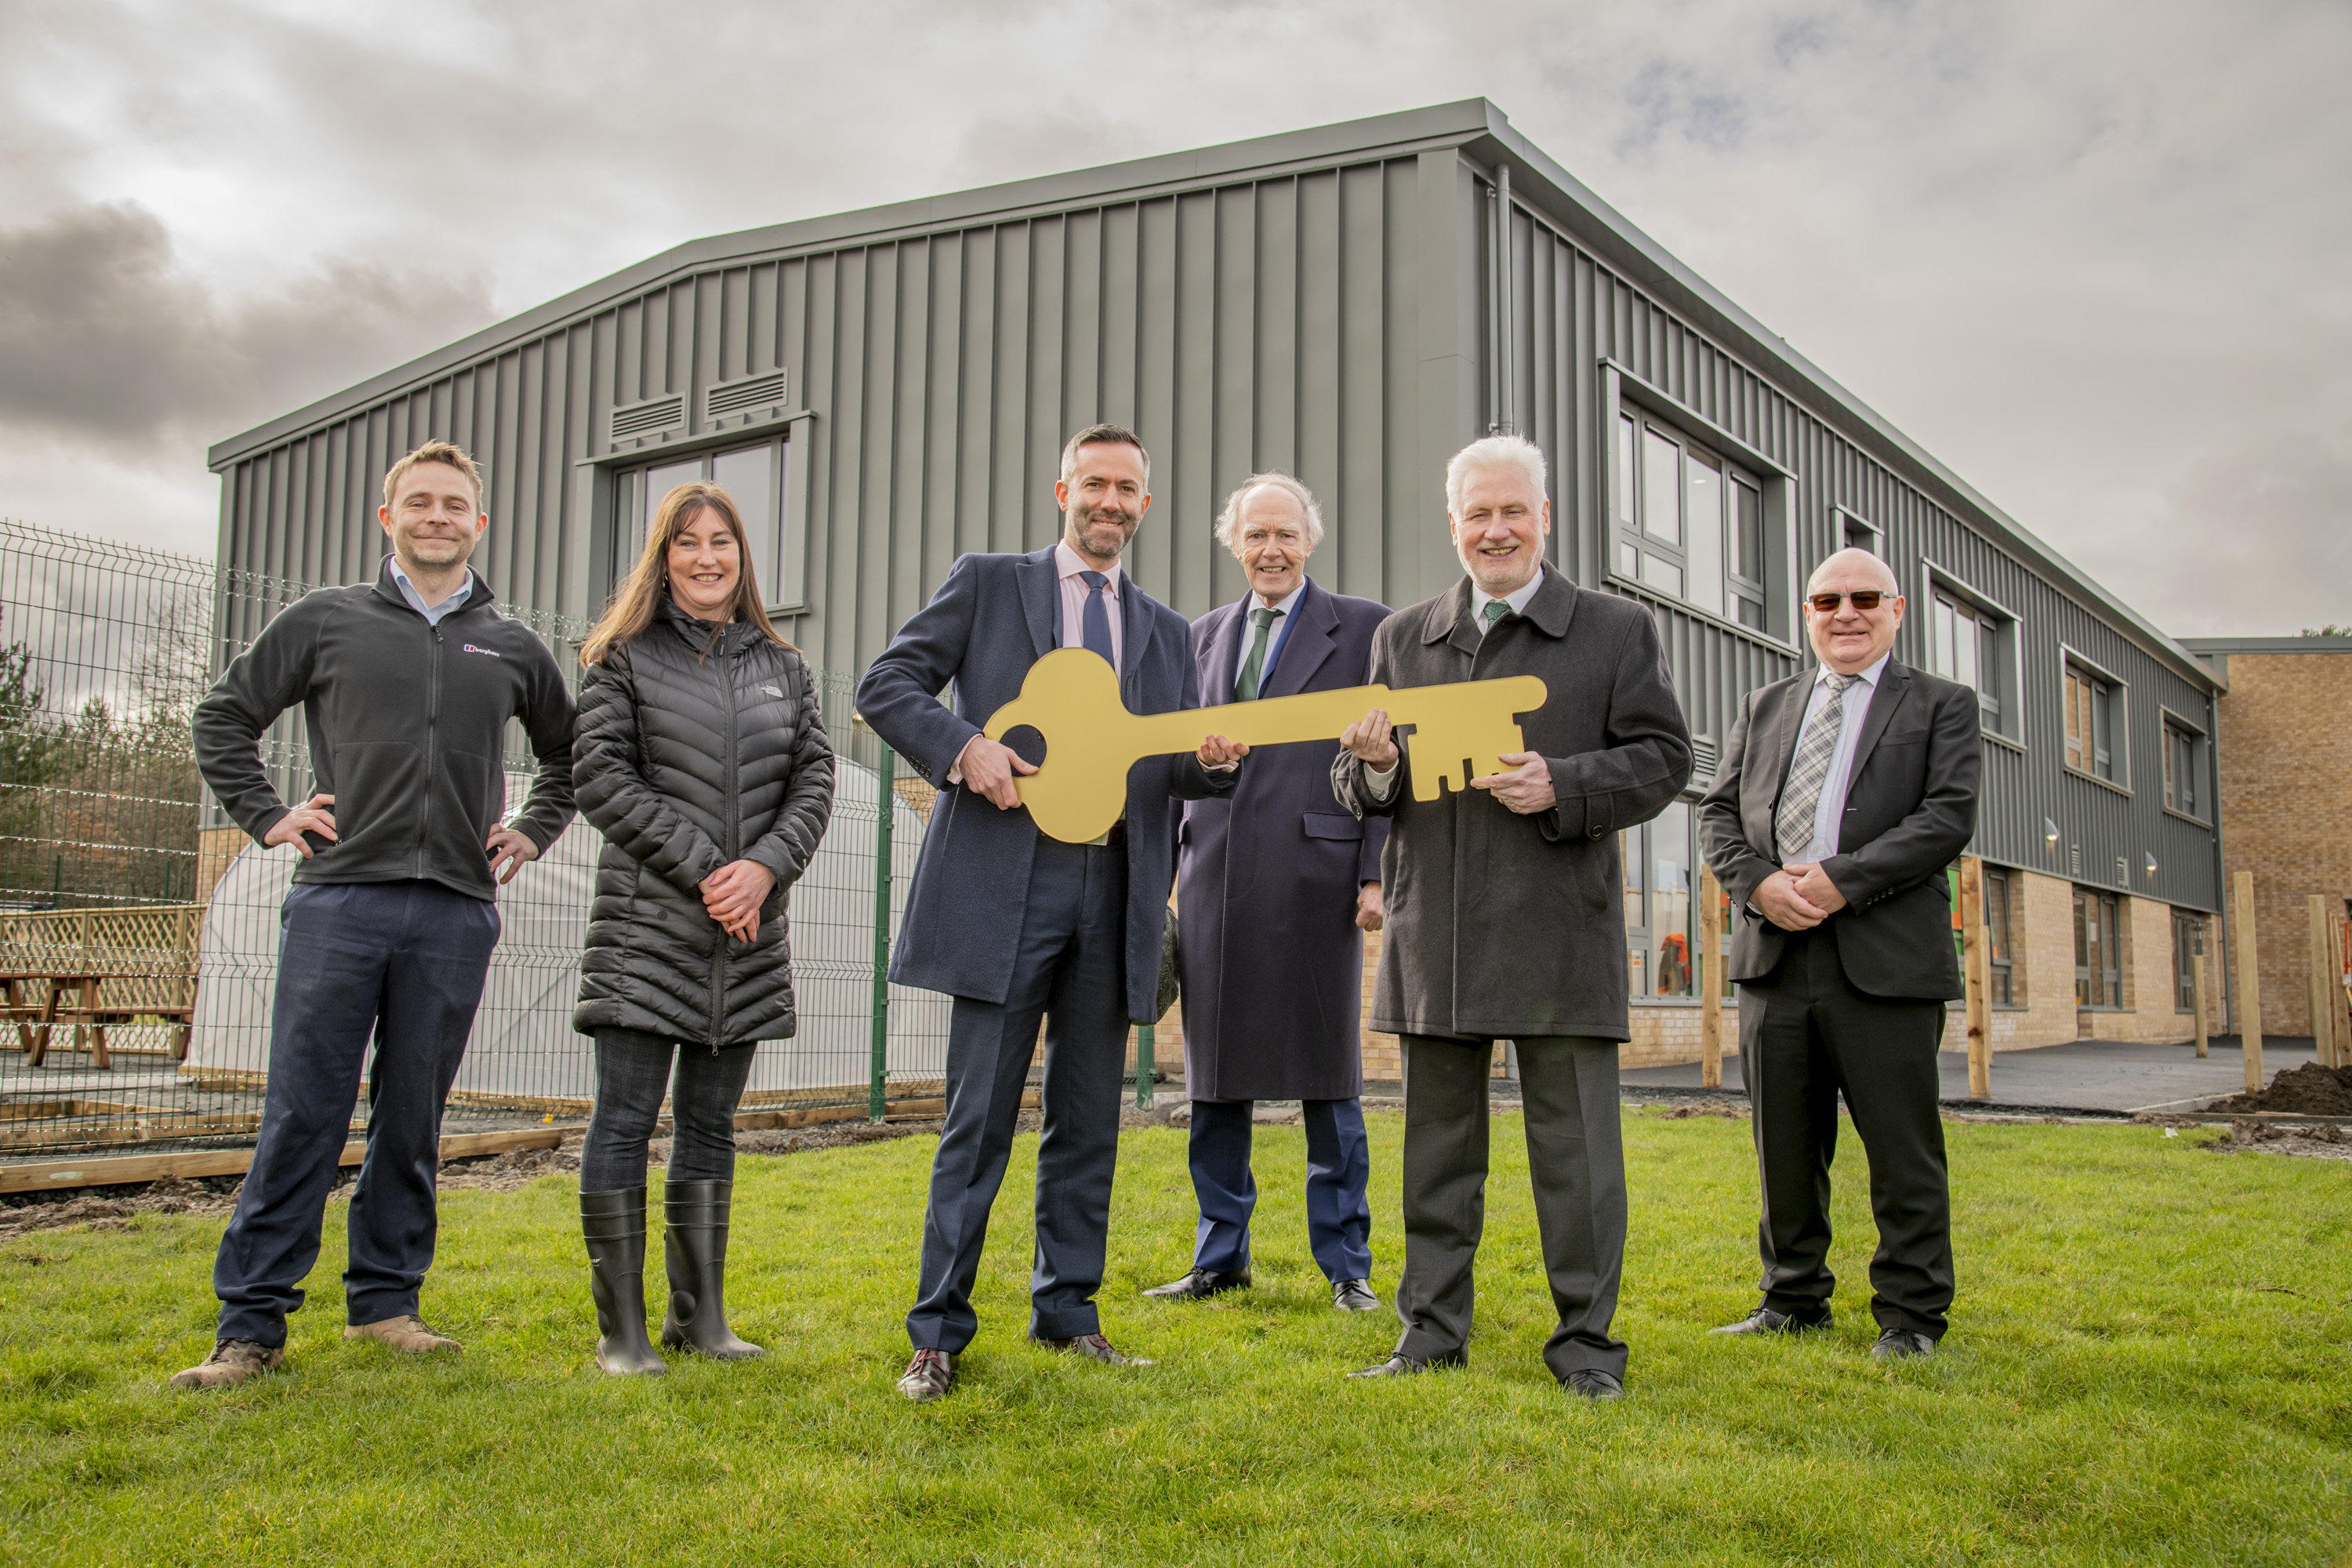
1496	611
1094	627
1245	684
1793	826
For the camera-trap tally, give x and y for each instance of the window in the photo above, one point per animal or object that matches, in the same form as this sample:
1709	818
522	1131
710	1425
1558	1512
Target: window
2093	734
1859	535
2098	950
2181	752
2002	988
2188	935
1966	644
753	476
1690	524
1664	946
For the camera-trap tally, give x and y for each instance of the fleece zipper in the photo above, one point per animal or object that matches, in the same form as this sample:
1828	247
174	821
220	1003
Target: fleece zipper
432	745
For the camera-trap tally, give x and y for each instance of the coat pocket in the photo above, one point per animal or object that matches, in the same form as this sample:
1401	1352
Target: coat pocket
1332	825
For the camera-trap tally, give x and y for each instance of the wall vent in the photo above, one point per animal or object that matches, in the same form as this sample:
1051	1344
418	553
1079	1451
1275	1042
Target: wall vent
2075	861
650	418
735	397
2123	872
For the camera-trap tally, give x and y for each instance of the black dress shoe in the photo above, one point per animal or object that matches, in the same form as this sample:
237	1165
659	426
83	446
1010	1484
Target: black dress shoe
928	1376
1592	1383
1901	1344
1199	1284
1765	1321
1354	1296
1403	1366
1093	1347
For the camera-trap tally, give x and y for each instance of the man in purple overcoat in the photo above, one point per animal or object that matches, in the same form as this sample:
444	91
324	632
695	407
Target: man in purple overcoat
1276	887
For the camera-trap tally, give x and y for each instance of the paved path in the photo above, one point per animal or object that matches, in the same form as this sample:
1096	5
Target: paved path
2084	1075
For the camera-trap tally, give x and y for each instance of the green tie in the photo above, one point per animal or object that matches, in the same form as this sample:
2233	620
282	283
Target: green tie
1495	610
1246	686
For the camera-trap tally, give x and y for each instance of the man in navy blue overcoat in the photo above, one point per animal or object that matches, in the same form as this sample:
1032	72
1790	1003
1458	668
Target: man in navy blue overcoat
1018	927
1275	889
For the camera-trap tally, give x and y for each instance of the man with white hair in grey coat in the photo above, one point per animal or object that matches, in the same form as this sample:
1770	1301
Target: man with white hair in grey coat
1504	917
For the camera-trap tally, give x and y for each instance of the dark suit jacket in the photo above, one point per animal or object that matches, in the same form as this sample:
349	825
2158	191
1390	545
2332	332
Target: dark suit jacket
1503	926
993	618
1910	809
1267	882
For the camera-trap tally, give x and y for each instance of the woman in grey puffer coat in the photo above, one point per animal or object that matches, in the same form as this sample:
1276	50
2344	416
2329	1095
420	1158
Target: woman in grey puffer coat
702	757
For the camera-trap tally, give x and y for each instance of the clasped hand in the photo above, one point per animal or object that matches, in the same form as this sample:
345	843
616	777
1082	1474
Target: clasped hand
1799	897
732	896
1525	789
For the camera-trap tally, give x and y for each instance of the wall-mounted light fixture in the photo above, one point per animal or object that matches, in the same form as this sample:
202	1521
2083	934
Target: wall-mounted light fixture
2050	834
2148	864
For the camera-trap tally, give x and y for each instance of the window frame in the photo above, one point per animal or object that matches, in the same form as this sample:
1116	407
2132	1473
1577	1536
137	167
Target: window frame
783	576
2001	632
2184	954
2072	664
2000	955
1626	396
2106	949
2171	723
1858	532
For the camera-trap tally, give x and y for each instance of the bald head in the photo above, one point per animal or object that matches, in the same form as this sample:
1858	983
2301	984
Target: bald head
1850	638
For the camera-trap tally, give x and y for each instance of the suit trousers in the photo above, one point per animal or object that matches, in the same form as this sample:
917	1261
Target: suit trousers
1338	1166
1069	970
1576	1158
1806	1036
398	964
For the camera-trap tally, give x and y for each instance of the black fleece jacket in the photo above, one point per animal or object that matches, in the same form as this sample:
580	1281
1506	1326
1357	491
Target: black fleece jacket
407	723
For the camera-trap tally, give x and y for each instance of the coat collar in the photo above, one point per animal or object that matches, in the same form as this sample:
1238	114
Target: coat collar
1040	596
1551	610
385	588
1893	681
734	637
1304	646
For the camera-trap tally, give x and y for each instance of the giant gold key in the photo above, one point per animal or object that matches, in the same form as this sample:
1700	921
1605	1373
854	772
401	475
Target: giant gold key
1071	697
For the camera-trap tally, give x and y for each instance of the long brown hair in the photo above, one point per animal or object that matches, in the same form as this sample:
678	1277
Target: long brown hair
636	601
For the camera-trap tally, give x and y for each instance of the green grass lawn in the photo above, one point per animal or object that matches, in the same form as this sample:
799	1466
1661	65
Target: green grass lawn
2151	1361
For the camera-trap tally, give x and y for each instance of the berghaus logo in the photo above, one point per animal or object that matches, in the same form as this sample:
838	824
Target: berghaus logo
491	651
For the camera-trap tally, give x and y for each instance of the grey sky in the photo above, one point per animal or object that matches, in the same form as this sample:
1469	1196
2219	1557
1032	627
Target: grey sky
2090	255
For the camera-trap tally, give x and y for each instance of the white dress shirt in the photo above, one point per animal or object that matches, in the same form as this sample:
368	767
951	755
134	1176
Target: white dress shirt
1830	811
431	613
1068	563
1383	780
1283	608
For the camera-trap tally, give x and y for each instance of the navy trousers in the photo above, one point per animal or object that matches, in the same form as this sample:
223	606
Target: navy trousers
1338	1165
398	962
1069	969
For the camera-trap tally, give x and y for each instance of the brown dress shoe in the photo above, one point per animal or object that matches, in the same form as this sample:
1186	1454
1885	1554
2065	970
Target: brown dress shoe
928	1376
232	1361
1093	1347
406	1334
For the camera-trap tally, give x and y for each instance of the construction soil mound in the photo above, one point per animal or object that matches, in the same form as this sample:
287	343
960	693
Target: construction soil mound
2308	1091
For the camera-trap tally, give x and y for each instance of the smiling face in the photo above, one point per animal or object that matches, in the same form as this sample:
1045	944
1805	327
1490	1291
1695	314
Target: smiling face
705	566
434	518
1501	528
1270	541
1850	640
1103	500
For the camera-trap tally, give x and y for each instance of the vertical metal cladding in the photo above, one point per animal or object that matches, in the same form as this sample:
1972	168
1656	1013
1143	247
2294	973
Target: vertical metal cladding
1349	304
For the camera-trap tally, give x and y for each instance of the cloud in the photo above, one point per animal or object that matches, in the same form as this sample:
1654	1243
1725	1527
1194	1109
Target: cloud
105	340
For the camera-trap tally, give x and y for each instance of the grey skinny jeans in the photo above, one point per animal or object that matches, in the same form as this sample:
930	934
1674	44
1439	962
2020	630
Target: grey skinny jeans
632	1070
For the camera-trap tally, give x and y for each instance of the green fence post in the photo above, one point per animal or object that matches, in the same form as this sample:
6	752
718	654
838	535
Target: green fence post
883	800
1144	1072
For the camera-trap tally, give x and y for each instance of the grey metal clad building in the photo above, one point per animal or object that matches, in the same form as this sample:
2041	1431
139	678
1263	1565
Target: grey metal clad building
891	388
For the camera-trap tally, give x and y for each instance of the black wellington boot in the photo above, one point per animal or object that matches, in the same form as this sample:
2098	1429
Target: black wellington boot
614	1225
696	1247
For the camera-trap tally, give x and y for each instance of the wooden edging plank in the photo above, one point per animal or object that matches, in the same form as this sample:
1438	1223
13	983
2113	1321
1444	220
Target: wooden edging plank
49	1176
894	1110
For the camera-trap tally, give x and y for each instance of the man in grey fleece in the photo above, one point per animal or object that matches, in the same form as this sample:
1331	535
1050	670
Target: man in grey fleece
407	684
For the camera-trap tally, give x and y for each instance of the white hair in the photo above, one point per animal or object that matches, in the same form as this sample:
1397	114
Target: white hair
1230	519
1494	452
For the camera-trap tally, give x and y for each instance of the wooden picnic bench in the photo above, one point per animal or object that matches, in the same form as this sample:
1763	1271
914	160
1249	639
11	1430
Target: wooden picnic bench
93	969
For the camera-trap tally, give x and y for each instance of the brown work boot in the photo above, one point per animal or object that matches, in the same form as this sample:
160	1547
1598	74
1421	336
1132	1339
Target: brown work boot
232	1361
406	1334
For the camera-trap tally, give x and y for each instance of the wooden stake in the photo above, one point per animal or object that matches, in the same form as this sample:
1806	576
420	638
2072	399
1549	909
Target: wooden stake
1976	961
2316	981
2197	984
1710	988
2250	981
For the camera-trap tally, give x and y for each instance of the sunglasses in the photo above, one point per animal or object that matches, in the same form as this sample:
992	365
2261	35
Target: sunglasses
1827	604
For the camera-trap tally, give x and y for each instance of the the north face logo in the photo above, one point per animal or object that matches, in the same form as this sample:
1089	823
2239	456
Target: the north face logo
769	689
491	651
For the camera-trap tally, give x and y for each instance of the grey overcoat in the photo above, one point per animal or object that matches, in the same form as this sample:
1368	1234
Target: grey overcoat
1510	927
1267	882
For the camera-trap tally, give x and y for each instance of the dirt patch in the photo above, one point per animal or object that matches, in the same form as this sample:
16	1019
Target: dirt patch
2308	1091
2266	1138
1682	1110
111	1208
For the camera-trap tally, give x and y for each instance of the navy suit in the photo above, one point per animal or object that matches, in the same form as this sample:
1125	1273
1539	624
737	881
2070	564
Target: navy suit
1018	927
1273	963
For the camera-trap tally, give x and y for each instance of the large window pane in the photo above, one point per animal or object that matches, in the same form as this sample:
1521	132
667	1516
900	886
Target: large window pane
1661	574
748	477
1703	490
1624	498
1749	558
1939	636
1670	898
1661	494
1964	646
1631	849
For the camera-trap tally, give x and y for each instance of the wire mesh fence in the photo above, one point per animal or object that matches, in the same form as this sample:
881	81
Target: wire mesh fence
138	930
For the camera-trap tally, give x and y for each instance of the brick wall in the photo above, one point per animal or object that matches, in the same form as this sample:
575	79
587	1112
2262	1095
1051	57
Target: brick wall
2286	808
